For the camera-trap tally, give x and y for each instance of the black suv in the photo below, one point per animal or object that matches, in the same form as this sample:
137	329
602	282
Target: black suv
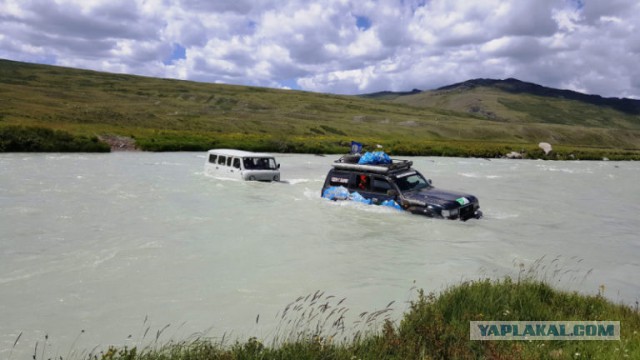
398	182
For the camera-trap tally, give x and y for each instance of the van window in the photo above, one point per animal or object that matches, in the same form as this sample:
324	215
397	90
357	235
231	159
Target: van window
213	158
229	161
236	163
222	160
259	163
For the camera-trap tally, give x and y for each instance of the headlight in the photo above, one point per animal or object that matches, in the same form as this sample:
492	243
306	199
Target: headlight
449	213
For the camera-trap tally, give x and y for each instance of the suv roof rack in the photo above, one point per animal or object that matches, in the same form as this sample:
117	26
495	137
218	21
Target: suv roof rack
346	163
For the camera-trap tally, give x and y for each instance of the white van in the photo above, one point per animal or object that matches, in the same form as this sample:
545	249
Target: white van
242	165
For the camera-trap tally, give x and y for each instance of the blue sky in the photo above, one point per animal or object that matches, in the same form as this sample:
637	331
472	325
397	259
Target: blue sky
179	53
337	46
363	23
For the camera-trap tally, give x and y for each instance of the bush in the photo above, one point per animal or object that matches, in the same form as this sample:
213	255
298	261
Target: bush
39	139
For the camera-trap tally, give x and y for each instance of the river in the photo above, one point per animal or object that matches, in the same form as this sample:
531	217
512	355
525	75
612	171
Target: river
96	249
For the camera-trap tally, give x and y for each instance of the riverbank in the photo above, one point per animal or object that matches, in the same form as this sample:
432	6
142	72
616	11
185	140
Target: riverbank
436	326
38	139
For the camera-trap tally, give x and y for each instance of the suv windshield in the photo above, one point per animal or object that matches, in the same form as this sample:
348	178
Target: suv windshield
411	182
258	163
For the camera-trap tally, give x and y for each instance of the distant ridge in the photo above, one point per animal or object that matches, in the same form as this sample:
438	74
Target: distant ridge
515	86
390	95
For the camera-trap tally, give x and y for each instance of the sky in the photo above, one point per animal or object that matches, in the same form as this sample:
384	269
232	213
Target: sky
337	46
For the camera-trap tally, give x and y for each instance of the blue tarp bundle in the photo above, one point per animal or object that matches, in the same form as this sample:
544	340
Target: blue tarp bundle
355	196
341	193
391	203
336	193
375	158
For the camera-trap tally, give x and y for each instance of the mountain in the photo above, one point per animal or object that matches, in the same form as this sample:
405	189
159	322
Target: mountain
485	118
389	95
515	86
512	100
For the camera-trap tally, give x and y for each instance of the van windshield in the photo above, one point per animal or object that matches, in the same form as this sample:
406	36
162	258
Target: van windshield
259	163
411	182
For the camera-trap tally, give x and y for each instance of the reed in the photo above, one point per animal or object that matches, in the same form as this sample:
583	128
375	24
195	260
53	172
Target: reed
14	345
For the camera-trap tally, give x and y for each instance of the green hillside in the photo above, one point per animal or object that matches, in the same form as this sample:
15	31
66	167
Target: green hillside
164	114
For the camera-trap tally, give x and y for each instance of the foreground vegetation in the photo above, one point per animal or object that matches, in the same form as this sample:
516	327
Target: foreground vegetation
173	115
434	327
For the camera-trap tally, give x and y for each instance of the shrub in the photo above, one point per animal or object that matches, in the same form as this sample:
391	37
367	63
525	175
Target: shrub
39	139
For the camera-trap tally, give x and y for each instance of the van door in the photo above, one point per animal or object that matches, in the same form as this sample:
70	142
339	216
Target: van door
220	167
236	167
224	166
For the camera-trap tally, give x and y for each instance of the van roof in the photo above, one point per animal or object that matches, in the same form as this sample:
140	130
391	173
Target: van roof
238	153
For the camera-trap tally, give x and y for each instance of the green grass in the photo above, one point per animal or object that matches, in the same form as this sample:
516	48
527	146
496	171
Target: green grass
436	326
168	115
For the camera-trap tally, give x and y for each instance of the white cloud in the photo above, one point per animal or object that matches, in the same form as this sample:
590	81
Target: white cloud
523	49
589	46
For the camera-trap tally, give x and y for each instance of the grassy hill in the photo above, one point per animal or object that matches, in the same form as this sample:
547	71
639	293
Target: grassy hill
165	114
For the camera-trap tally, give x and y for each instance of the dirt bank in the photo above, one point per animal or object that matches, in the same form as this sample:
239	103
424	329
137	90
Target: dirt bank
119	143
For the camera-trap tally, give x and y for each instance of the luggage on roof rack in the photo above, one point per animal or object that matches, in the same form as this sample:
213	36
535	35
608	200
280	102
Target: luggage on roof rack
375	158
396	164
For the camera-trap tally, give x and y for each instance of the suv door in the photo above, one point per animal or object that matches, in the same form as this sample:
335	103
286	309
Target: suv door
380	187
373	187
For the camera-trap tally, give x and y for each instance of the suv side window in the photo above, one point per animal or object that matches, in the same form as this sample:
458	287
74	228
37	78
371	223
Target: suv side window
380	185
222	160
236	163
363	182
213	158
